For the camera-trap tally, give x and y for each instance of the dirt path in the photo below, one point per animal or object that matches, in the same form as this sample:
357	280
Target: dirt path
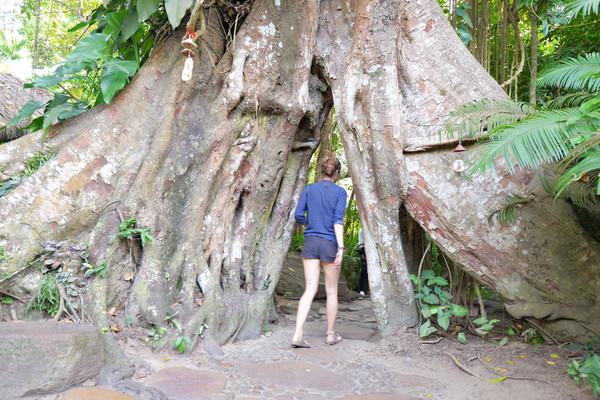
363	366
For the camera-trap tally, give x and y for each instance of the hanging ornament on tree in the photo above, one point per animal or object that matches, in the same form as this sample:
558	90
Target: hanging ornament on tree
189	45
459	165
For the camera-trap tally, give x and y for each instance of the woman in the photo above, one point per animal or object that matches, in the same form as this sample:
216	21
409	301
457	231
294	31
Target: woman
325	203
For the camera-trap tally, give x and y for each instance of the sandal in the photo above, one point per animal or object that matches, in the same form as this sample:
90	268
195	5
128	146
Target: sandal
300	344
336	338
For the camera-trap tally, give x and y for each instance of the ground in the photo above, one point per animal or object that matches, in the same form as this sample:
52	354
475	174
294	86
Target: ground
363	366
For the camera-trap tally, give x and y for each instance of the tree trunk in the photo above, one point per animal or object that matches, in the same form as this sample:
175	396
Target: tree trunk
534	58
214	167
325	145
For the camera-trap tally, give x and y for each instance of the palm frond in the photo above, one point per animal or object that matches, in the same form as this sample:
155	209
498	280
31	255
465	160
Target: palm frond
586	7
580	193
590	164
507	214
471	120
569	100
588	143
581	73
544	137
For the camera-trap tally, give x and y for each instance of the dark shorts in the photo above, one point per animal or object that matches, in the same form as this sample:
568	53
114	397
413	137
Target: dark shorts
317	248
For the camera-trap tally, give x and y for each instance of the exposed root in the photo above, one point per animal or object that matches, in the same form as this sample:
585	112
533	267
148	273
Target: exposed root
520	378
460	365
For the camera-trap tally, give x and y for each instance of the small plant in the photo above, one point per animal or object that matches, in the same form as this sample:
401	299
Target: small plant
128	230
484	325
531	335
100	270
297	242
434	300
34	163
7	300
155	336
172	322
181	343
587	369
48	297
4	254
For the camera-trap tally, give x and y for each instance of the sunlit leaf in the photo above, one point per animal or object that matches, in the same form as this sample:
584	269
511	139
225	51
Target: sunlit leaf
176	9
26	112
115	76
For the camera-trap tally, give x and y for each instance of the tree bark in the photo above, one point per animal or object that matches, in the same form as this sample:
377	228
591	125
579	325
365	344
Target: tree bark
214	167
533	65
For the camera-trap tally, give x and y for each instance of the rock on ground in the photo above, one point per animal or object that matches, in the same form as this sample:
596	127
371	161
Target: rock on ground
44	357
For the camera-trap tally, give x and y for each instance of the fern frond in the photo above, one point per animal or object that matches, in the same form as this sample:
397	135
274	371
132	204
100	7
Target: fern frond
506	214
586	7
471	120
569	100
544	137
590	143
581	73
590	164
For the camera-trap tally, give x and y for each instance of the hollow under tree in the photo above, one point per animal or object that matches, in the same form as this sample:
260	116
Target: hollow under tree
214	167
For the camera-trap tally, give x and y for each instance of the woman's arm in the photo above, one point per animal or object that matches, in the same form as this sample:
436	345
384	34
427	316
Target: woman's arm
338	225
300	214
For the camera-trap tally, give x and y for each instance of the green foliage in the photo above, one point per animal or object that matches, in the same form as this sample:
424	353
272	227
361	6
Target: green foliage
480	118
181	343
484	326
48	298
568	136
584	7
506	215
4	254
581	73
155	336
531	335
587	369
464	24
6	300
100	270
176	9
128	230
297	241
434	300
102	62
10	48
34	163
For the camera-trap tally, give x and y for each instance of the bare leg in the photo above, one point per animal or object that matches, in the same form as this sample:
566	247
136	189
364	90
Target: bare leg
311	285
332	277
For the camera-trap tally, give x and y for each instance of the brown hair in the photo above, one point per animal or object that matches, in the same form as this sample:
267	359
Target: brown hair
331	166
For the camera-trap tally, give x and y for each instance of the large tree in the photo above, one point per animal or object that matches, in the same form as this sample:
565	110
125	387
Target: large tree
214	165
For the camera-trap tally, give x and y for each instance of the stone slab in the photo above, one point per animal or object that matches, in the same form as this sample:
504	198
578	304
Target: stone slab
380	396
47	356
180	383
296	374
94	393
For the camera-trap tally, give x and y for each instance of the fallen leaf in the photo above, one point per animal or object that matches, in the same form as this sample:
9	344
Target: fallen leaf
112	311
521	356
167	358
487	359
510	362
428	395
550	363
498	380
116	328
554	355
501	370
